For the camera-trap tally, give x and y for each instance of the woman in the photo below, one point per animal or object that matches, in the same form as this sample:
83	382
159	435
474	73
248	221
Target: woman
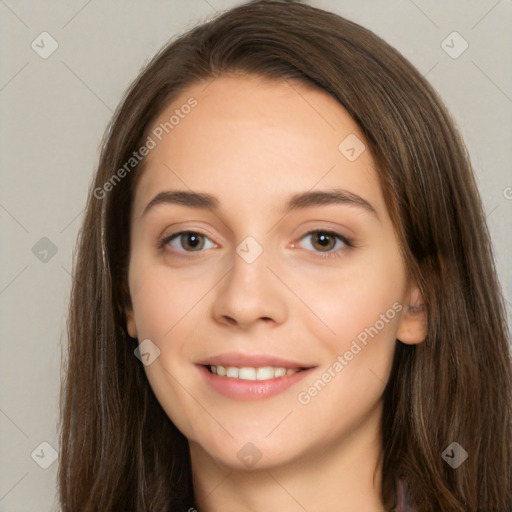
284	295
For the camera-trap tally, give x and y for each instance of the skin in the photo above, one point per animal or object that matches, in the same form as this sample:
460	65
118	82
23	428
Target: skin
253	143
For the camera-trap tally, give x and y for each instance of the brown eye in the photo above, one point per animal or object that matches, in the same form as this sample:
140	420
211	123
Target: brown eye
191	241
187	241
323	241
327	243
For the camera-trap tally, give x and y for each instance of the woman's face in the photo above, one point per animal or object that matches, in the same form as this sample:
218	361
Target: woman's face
289	260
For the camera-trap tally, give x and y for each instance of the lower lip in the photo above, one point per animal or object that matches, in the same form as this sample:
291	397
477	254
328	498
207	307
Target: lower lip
240	389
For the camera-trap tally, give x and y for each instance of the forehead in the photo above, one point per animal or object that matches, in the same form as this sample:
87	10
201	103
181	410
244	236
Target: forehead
264	138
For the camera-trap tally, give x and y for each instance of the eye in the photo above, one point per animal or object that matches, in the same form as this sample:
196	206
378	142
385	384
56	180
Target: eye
326	243
190	241
330	243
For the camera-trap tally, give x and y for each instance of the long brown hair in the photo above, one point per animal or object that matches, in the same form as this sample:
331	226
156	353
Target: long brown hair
120	451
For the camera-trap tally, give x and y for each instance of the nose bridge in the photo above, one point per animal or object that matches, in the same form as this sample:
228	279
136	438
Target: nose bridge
251	291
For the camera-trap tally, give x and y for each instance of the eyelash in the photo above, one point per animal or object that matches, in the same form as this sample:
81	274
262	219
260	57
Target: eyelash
348	242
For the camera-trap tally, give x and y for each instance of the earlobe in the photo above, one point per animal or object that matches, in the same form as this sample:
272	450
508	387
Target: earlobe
413	324
131	326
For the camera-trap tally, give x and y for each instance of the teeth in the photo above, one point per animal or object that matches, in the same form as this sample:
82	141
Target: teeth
266	372
280	372
232	372
249	373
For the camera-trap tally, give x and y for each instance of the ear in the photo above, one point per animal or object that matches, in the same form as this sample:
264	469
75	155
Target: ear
131	326
413	324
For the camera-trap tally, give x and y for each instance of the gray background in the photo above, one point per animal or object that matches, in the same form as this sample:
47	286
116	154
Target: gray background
54	112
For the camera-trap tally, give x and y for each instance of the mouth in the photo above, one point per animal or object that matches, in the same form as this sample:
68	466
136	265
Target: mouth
251	376
252	373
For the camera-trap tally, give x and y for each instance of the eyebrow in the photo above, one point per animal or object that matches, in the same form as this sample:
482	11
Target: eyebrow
298	201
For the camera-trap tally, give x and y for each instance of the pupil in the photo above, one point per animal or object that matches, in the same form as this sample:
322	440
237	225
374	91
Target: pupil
324	240
193	237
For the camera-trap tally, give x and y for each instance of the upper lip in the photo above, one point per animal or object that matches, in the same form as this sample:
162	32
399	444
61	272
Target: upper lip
251	360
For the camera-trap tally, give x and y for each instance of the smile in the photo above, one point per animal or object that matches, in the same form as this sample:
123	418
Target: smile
251	373
249	383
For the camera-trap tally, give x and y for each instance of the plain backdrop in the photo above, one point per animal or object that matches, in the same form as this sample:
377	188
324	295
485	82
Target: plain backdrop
54	110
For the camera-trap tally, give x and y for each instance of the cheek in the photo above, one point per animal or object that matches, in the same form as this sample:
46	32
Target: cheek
364	315
164	305
358	296
162	299
359	307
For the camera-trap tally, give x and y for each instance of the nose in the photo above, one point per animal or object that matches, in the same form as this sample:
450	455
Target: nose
250	294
